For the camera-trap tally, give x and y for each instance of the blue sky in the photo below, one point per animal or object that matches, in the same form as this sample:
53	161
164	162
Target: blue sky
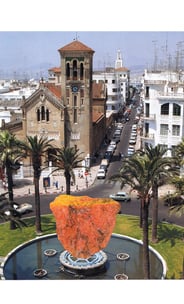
35	50
31	33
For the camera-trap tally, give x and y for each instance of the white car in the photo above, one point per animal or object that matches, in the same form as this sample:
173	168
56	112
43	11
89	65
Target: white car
113	143
101	174
21	209
120	196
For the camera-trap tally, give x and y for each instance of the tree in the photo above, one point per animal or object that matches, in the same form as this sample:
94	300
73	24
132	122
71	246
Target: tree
10	155
67	159
163	169
37	148
179	152
136	171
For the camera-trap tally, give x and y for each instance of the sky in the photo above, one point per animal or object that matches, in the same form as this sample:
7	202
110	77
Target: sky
29	43
31	53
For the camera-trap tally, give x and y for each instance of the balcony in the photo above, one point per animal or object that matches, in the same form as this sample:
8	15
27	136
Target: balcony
150	117
149	136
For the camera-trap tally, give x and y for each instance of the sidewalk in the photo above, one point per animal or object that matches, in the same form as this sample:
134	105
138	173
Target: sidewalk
25	187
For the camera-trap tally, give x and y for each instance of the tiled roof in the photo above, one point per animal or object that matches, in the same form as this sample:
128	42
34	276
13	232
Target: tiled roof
76	45
123	69
55	70
96	116
56	90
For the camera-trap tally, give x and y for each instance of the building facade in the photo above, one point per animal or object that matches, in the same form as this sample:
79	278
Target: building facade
163	99
117	82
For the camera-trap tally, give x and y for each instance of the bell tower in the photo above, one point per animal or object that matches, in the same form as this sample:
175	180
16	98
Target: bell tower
76	91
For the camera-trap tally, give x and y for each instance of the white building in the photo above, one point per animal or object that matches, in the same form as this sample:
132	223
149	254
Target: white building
163	98
117	83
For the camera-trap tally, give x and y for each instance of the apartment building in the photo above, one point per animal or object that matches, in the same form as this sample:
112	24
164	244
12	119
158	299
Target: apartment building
117	83
163	99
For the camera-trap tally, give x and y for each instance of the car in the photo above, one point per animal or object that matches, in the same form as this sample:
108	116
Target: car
113	143
132	141
21	209
101	174
108	155
120	196
173	200
110	148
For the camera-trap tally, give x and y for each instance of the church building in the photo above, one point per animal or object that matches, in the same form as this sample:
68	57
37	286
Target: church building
72	110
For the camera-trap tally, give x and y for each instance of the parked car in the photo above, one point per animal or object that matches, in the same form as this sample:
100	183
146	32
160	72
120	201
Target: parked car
21	209
132	141
101	174
120	196
110	148
173	200
108	155
113	143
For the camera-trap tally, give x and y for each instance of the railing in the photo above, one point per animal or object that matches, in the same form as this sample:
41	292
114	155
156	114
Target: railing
148	136
150	117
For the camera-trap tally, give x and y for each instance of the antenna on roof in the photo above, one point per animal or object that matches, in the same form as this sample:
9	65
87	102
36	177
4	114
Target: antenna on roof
76	36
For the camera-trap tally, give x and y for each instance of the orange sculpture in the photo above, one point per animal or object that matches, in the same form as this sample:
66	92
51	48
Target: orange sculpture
84	225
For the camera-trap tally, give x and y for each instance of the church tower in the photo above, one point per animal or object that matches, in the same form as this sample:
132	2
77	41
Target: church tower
76	91
119	61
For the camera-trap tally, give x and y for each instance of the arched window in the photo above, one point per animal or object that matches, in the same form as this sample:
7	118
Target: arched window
42	113
75	70
38	115
75	109
165	109
81	71
68	71
176	110
47	115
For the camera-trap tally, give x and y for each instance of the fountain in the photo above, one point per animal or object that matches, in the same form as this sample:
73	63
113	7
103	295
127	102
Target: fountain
84	247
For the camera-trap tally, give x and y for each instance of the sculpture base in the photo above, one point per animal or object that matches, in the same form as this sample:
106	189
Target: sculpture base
83	267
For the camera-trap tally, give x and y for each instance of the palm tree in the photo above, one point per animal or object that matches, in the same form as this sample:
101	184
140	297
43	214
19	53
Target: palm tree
136	171
10	154
179	152
36	148
163	168
67	159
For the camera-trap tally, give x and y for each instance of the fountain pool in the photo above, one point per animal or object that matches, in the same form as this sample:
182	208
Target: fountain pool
41	259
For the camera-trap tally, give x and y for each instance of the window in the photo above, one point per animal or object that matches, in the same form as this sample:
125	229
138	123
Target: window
81	71
176	130
165	109
42	114
146	129
47	115
176	110
147	92
147	106
75	69
75	101
113	80
164	129
38	115
68	71
75	109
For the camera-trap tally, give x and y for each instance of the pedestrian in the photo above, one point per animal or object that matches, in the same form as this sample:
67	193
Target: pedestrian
56	184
